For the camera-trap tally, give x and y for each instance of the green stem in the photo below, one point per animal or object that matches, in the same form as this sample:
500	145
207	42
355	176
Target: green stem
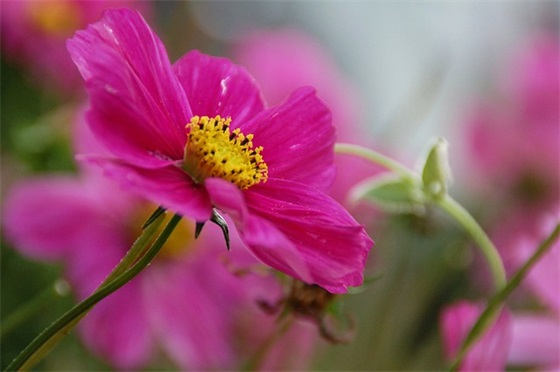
460	214
138	247
47	339
450	206
374	157
495	304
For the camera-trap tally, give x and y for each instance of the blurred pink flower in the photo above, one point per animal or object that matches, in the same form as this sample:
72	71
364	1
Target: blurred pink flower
283	60
34	33
536	334
186	303
514	145
490	352
266	168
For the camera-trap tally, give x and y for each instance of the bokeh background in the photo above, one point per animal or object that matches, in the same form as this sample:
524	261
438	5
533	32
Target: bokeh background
406	73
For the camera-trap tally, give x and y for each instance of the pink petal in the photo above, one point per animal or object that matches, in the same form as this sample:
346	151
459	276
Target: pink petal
89	264
536	341
138	108
49	218
262	238
334	246
168	186
216	86
490	351
298	231
192	317
298	139
117	329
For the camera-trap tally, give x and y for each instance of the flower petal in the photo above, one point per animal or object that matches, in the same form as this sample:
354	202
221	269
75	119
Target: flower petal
193	317
117	328
216	86
536	341
138	108
89	263
263	239
298	139
335	247
68	213
168	186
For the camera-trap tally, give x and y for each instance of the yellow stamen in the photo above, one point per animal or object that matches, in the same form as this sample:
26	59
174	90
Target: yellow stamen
213	150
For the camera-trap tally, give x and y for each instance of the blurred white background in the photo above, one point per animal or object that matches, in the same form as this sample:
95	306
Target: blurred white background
417	65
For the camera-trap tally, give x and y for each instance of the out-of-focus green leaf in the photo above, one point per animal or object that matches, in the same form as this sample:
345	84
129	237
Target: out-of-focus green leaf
392	193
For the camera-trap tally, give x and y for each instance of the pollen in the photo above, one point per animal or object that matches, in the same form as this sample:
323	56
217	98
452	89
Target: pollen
214	150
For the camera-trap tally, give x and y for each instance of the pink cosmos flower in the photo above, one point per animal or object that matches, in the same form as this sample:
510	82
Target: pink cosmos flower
185	303
281	61
34	33
490	352
195	135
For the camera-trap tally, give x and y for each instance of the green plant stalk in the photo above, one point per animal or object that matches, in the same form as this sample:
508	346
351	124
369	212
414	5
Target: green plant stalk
138	247
374	157
460	214
121	275
495	304
446	203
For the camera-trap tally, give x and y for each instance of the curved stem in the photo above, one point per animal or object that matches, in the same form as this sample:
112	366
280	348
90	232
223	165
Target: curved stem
449	205
460	214
374	157
44	342
494	305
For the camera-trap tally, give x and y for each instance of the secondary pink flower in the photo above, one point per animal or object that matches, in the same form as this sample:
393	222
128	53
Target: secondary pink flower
185	303
514	144
34	33
490	352
195	135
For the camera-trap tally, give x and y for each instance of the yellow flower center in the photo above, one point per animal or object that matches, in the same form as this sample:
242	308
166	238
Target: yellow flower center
59	18
213	150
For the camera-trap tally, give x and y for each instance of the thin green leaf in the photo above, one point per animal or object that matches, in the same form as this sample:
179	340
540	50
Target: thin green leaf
367	282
